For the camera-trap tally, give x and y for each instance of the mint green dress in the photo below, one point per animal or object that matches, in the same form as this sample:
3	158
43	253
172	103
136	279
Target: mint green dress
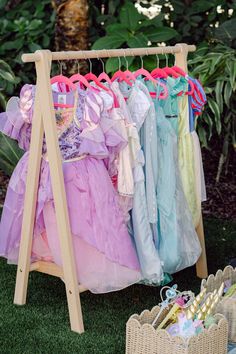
174	232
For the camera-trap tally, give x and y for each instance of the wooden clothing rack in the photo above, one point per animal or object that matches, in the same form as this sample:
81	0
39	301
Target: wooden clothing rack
44	122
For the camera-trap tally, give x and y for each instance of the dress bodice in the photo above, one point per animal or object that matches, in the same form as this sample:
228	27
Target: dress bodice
78	127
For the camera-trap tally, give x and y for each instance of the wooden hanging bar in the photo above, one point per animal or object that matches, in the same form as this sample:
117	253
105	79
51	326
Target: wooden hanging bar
44	123
105	53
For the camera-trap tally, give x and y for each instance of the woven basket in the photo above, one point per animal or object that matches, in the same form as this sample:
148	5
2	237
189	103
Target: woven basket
142	338
227	306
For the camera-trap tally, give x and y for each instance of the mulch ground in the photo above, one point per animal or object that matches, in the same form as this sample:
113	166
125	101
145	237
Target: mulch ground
221	196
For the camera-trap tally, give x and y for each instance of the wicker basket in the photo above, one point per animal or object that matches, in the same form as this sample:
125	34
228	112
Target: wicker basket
227	306
142	338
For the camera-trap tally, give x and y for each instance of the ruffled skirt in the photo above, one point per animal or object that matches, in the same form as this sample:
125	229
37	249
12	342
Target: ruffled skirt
105	256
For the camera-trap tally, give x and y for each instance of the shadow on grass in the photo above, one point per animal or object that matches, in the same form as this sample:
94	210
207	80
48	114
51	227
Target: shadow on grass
42	326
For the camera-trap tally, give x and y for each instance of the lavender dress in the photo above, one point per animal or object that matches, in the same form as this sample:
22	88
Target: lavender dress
105	257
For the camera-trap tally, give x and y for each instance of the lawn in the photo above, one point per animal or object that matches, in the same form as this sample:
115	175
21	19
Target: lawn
42	326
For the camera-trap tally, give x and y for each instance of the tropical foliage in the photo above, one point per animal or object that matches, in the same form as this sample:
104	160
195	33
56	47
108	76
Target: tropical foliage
29	25
195	21
10	153
217	72
25	27
7	82
132	29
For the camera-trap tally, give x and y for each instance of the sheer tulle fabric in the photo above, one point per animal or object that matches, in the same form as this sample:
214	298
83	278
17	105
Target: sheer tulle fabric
138	107
96	220
177	240
95	270
186	160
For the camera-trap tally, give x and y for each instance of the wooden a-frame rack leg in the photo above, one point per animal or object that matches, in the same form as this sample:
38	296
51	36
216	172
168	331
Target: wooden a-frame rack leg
44	122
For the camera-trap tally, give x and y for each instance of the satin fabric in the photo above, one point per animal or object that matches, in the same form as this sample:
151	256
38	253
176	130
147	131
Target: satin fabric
100	236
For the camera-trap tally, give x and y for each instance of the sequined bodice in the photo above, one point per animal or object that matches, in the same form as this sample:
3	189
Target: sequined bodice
69	124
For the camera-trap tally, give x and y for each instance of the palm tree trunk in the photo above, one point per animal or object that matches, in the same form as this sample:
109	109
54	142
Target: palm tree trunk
71	32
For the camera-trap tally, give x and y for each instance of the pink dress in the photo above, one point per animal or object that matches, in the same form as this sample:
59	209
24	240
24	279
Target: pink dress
105	256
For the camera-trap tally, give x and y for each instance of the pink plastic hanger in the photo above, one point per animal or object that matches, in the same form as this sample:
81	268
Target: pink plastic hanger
158	72
121	75
67	86
164	94
184	74
62	79
181	72
80	78
103	75
92	77
144	73
148	76
169	70
127	72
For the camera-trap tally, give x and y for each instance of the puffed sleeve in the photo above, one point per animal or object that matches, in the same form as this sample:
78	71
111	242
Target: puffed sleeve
16	121
92	137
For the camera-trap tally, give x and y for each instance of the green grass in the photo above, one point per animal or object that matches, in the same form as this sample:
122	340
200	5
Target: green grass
42	326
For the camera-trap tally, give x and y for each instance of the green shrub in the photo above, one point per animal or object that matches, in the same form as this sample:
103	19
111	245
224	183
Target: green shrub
7	82
24	27
216	70
130	29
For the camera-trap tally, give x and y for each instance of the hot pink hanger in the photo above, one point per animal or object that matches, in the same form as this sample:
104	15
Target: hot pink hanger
103	75
148	76
144	72
92	77
184	74
158	72
127	72
123	76
169	70
179	70
62	79
80	78
163	95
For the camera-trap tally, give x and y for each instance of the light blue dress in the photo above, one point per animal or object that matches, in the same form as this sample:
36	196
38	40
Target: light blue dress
139	105
175	236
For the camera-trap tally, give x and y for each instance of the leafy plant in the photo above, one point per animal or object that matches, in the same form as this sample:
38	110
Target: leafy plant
197	21
25	27
10	153
216	70
131	30
7	82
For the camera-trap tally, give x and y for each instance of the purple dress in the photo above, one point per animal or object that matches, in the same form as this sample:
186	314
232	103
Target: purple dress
105	256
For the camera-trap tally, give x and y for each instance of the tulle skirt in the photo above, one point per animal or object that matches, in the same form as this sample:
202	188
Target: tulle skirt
105	256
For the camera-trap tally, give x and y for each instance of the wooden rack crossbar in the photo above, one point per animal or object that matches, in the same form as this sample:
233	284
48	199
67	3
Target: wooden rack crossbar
44	123
105	53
